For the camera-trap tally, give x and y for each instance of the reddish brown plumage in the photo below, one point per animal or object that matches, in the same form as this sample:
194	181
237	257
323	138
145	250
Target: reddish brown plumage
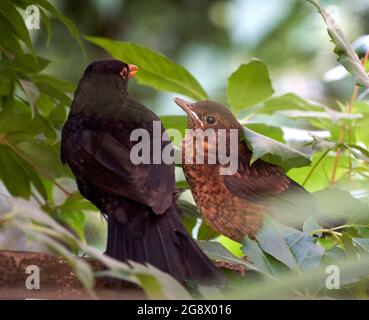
234	205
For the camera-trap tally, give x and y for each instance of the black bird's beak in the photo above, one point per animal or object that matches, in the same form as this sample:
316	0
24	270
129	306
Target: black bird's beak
187	107
132	70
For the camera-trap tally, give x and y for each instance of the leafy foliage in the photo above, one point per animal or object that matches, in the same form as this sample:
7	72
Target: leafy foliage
288	262
249	85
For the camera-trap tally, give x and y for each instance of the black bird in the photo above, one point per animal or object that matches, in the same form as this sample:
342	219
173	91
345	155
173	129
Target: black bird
137	200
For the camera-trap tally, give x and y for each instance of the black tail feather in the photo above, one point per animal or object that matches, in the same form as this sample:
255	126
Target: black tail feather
164	244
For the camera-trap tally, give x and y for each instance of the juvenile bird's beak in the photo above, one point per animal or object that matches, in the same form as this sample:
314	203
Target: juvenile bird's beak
132	70
187	107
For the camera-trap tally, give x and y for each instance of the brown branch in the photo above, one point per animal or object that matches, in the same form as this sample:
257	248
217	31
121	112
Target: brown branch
57	280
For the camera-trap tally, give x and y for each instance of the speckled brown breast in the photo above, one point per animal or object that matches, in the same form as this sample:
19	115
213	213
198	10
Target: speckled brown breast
226	213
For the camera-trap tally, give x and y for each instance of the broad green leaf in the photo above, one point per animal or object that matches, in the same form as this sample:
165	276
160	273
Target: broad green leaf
75	202
54	92
182	184
60	84
216	251
292	247
346	54
266	130
261	260
206	232
341	203
288	101
274	152
45	159
26	63
73	30
189	215
15	118
275	120
9	40
5	86
231	245
249	85
155	70
175	122
13	175
73	219
35	180
321	177
310	225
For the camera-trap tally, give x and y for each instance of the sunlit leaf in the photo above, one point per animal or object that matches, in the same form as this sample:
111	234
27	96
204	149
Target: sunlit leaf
155	70
249	85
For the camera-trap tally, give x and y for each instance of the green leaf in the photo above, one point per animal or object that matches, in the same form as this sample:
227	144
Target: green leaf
73	30
294	248
266	130
182	184
310	225
189	214
321	177
15	117
341	203
233	246
249	85
155	70
261	260
206	232
45	159
26	63
216	251
54	92
73	219
5	86
362	130
274	152
32	93
62	85
346	54
288	101
13	175
175	122
9	12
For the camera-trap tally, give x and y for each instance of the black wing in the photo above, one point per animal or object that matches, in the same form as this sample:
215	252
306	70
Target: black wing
101	157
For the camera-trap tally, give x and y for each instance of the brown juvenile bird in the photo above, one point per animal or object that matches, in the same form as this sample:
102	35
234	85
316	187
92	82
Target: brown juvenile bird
137	199
235	205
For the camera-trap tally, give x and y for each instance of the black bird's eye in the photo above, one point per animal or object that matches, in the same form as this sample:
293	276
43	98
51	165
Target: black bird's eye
210	119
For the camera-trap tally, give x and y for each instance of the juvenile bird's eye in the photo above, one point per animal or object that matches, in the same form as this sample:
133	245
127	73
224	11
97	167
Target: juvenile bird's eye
210	119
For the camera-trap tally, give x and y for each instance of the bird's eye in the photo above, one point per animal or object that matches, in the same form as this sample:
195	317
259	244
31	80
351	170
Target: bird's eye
210	119
124	72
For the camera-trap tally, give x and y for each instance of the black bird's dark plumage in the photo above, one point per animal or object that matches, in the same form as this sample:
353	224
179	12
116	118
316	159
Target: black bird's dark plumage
138	200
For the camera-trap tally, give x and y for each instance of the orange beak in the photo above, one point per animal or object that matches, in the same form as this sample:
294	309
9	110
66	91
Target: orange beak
132	70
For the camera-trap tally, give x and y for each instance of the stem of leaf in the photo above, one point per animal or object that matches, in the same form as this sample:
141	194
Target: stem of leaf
342	128
314	167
